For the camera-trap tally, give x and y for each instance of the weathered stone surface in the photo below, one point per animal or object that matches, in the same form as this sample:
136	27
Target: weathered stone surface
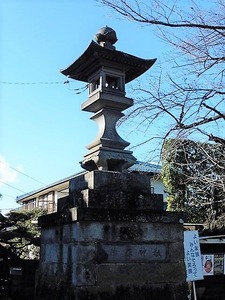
118	199
148	273
78	183
108	255
111	190
111	180
110	260
104	158
107	100
109	239
112	281
176	251
113	232
128	253
110	215
144	291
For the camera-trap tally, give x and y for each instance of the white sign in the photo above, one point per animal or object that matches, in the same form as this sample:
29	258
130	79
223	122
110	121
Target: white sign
208	264
192	255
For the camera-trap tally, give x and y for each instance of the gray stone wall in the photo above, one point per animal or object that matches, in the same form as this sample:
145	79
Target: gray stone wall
100	257
111	253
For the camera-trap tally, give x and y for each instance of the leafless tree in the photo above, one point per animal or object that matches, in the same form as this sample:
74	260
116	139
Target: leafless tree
185	98
190	94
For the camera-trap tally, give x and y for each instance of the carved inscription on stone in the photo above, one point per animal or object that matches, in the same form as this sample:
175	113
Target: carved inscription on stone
135	252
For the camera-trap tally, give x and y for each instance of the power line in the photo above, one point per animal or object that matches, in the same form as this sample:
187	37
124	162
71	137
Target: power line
12	186
40	82
21	173
7	196
78	90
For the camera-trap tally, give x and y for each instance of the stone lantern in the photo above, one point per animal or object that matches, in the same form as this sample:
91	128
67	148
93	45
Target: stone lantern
110	237
106	71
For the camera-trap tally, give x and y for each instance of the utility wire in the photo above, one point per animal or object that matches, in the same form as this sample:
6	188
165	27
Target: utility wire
78	90
41	82
22	173
12	186
7	196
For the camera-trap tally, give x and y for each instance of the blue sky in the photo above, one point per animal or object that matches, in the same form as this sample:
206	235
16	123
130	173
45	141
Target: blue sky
43	132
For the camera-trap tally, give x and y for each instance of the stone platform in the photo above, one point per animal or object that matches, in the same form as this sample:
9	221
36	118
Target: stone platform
111	239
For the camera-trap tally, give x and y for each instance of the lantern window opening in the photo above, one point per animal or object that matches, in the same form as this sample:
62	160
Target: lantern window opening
107	80
112	82
94	85
114	79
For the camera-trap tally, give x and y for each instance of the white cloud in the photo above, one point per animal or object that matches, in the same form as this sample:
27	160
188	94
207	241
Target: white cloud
6	173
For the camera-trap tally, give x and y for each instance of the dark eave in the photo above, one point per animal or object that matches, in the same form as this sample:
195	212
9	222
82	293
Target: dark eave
96	56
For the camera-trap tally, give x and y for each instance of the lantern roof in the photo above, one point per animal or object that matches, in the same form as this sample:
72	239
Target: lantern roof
97	56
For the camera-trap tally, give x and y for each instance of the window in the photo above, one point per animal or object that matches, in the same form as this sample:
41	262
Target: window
94	85
112	82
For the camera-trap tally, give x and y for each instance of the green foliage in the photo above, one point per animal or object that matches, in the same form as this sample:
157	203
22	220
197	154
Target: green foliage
172	176
193	174
19	233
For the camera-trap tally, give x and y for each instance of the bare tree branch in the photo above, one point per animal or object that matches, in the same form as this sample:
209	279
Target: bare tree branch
125	9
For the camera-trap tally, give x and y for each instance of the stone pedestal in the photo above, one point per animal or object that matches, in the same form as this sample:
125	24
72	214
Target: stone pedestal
110	240
107	151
